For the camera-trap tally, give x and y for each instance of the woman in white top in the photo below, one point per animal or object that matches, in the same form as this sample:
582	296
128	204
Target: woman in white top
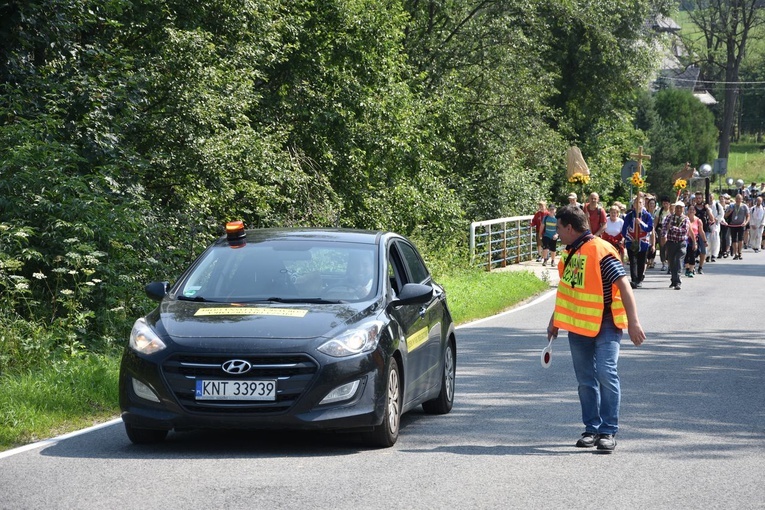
756	223
718	211
613	231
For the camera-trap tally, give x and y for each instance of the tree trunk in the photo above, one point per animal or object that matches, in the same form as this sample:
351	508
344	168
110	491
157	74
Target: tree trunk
731	95
729	112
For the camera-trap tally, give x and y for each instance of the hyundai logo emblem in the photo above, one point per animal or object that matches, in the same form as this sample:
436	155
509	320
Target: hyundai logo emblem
237	366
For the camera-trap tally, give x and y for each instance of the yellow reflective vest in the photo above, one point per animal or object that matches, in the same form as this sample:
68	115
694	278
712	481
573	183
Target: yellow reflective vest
579	303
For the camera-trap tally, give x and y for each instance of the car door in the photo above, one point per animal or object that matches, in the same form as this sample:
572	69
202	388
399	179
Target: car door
421	323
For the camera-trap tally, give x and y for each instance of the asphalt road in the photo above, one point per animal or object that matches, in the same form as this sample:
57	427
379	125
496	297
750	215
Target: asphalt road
692	429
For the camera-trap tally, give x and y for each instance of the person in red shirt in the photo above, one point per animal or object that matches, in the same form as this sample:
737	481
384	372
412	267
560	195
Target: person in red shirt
596	214
536	221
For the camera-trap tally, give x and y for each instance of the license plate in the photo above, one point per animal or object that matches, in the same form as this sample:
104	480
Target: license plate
236	390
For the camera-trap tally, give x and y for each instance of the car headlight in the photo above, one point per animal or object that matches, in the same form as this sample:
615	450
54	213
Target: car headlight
144	340
354	341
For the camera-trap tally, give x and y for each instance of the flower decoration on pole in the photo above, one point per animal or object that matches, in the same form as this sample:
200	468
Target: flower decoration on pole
681	177
577	171
579	178
679	186
637	180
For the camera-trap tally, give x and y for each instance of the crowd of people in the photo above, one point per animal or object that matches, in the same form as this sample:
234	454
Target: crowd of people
684	234
594	300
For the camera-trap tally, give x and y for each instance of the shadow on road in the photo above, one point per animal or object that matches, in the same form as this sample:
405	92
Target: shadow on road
696	389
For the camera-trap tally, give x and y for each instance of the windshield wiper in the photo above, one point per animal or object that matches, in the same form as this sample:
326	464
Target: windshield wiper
198	299
317	300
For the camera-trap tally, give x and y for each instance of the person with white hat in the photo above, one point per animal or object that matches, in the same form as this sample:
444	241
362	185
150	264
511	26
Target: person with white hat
674	233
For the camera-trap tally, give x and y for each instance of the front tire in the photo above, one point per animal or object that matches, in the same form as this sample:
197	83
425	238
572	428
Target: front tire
386	434
443	403
145	436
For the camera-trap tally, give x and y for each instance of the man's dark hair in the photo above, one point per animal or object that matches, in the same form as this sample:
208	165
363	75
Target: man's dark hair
664	198
571	214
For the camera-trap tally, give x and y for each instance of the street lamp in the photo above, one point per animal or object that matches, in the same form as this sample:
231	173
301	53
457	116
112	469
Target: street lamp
729	182
705	171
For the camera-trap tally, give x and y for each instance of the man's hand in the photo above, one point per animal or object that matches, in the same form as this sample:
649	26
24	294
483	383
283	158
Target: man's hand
552	331
635	330
637	335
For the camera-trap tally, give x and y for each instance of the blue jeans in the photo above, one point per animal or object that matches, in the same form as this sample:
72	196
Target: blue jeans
595	362
675	255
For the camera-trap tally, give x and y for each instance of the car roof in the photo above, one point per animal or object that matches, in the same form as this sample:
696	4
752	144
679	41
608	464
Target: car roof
319	234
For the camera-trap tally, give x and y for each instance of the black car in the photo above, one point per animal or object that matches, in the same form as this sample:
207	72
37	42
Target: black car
292	329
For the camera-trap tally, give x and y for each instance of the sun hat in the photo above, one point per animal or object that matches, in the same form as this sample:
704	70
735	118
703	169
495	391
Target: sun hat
678	203
572	195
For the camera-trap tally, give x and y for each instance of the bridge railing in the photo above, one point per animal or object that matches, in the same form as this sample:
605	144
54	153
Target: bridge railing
502	241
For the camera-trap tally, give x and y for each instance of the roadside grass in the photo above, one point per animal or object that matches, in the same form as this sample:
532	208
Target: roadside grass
48	401
81	391
474	294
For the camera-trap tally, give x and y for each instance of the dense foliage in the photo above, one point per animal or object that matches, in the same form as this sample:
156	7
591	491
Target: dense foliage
131	130
680	129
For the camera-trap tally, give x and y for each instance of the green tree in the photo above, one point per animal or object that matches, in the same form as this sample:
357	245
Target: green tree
727	31
681	130
480	68
600	54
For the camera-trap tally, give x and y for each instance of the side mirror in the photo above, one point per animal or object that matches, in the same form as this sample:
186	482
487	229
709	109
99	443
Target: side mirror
413	293
157	290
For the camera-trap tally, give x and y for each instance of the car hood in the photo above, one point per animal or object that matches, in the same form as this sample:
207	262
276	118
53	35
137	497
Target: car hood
183	319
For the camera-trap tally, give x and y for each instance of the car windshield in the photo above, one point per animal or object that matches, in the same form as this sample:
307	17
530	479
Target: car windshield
284	271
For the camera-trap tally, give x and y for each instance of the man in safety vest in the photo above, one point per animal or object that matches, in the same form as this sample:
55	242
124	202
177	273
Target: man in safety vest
594	304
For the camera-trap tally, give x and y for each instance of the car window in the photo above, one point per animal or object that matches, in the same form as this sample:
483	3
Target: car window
394	277
412	260
285	270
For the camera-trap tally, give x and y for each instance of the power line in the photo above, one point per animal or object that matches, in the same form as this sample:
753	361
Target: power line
748	86
716	82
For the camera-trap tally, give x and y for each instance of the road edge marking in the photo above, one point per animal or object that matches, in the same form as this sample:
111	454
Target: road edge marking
52	441
538	300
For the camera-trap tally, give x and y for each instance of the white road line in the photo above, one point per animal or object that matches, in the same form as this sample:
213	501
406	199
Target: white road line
50	442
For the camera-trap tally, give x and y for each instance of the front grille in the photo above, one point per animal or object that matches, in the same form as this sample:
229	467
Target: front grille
292	373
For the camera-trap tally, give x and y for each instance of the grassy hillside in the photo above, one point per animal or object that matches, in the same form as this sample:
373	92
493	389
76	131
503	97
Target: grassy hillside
747	161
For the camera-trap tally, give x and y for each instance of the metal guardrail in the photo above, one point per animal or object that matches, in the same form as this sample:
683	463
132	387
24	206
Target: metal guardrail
497	243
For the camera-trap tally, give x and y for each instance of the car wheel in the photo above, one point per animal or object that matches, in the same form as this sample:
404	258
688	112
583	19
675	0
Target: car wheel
386	433
442	404
145	436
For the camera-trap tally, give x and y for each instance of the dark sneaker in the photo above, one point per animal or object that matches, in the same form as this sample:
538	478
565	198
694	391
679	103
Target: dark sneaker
587	440
606	443
700	271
